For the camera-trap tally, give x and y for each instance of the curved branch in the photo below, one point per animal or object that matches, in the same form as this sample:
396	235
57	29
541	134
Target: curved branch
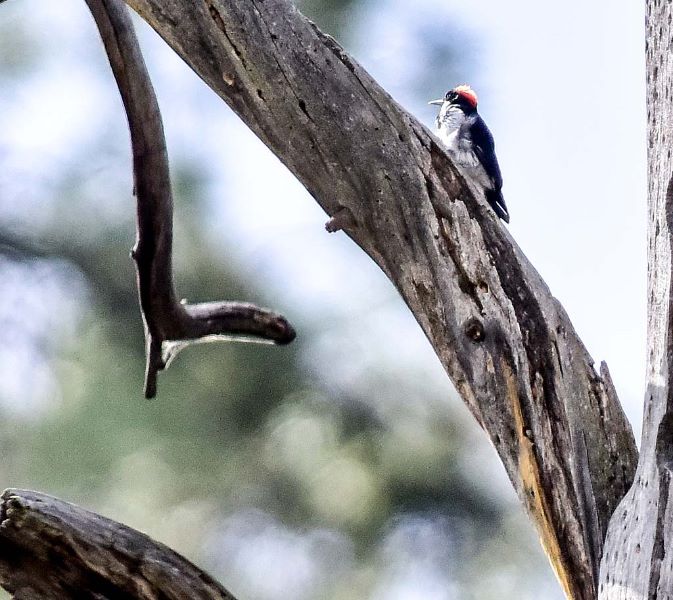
506	343
54	550
169	324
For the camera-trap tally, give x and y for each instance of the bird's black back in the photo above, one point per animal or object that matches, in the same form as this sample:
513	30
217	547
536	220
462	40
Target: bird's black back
475	128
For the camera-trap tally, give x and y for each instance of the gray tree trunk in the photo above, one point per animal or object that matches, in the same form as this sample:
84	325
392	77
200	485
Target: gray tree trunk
638	557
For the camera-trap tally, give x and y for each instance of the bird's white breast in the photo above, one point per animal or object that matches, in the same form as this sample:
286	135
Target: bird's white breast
449	121
448	137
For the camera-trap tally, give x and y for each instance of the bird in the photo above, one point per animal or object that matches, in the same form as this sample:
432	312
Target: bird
470	143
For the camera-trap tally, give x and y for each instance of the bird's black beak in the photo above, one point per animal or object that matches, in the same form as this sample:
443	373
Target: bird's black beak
437	102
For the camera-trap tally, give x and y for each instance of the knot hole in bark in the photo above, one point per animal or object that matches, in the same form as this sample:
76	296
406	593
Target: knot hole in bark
474	329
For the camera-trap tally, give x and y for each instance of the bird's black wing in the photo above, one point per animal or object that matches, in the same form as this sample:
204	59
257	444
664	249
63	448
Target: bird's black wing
484	148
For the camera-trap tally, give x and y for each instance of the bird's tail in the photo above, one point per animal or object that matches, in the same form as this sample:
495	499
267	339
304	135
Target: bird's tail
497	202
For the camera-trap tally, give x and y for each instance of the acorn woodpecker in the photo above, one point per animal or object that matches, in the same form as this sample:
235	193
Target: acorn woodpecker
470	143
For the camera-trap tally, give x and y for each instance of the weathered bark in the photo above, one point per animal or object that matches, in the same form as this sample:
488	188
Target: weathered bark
506	343
638	559
53	550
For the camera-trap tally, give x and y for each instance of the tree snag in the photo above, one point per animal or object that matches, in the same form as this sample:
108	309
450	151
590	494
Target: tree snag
638	558
527	378
504	340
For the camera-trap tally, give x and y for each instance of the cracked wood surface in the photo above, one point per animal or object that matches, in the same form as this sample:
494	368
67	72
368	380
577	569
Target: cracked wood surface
54	550
506	343
638	559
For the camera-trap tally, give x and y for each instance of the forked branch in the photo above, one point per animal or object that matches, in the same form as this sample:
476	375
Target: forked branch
170	324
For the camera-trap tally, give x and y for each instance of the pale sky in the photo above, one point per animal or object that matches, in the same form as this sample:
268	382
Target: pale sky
562	87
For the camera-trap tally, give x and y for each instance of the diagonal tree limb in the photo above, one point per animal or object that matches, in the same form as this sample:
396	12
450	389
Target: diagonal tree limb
54	550
504	340
170	325
638	562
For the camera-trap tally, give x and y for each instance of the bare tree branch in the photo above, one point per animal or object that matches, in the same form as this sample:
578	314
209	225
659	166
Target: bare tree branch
170	325
504	340
638	559
53	550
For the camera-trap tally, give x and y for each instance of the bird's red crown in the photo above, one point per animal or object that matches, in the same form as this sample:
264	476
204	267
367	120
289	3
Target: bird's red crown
465	91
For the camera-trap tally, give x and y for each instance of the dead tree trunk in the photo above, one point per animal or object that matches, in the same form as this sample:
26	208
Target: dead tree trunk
638	558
